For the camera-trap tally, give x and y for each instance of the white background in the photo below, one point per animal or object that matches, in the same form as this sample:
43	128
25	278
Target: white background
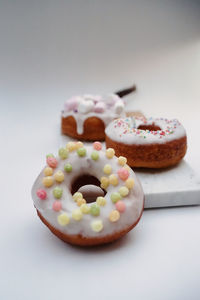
50	50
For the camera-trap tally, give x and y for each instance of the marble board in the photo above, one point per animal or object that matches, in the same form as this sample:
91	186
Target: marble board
177	186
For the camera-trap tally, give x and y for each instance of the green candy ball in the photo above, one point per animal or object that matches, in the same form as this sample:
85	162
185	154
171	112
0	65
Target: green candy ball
94	210
95	155
49	155
63	153
115	197
81	152
68	168
57	192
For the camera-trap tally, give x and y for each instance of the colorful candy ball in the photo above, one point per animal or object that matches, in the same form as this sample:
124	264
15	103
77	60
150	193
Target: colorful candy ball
123	173
52	162
41	194
97	146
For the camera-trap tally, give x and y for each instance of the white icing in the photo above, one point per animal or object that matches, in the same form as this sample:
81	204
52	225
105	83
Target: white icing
126	131
85	165
105	108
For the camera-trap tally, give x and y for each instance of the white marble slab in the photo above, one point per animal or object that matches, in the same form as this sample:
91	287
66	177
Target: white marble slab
176	186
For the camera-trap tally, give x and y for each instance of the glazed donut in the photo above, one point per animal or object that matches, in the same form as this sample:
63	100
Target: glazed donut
71	217
149	143
85	117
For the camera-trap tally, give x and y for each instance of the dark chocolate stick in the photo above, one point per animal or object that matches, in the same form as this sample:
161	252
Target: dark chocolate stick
127	91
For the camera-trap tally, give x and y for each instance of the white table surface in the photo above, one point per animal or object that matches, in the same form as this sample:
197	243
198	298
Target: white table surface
50	50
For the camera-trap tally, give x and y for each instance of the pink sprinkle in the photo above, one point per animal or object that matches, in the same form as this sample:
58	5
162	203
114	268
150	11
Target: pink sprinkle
123	174
120	206
97	146
52	162
57	205
41	194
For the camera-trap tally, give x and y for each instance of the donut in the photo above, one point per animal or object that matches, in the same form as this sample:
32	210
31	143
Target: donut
73	219
85	117
149	143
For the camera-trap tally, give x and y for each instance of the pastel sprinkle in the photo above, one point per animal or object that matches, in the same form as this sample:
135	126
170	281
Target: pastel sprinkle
57	205
63	153
95	155
129	183
79	145
97	225
120	206
47	181
85	209
81	152
71	146
114	216
77	196
52	162
79	202
97	146
59	176
101	201
63	219
122	160
123	191
94	210
77	214
115	197
104	182
41	194
57	192
123	173
107	169
110	152
48	171
49	155
68	167
113	180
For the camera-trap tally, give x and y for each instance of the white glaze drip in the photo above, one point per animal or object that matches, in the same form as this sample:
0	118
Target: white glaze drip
81	108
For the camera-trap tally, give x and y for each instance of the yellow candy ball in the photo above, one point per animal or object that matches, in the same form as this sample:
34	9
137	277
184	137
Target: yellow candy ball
97	225
113	180
122	160
101	201
110	152
107	169
123	191
129	183
63	219
77	214
47	181
114	216
79	145
59	176
71	146
80	201
48	171
85	209
104	182
77	196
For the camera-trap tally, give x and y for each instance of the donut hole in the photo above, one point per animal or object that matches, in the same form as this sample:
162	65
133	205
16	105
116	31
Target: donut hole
89	186
151	127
